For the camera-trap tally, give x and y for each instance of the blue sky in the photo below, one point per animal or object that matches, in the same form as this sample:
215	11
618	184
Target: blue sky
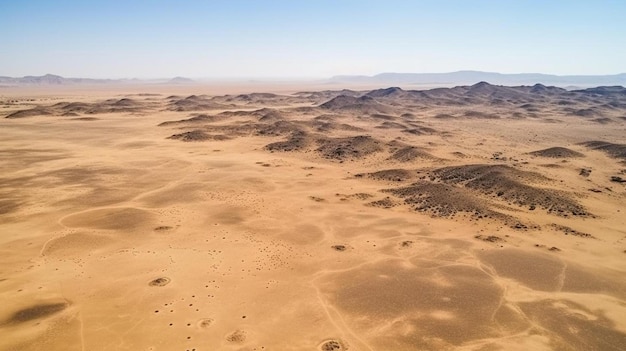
309	39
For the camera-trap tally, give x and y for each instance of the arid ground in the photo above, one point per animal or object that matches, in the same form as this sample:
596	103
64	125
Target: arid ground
471	218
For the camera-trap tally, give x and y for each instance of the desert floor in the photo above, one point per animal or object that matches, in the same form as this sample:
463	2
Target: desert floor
136	220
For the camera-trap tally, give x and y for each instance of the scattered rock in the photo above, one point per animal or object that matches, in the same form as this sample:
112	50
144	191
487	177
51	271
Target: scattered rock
238	336
332	345
490	238
361	196
519	226
570	231
617	179
406	243
387	202
205	323
162	281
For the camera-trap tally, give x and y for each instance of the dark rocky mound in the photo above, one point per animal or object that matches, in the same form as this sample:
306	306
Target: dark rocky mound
382	116
363	104
445	116
324	127
391	125
442	200
271	116
482	88
280	127
195	103
530	107
37	111
343	101
108	106
197	135
480	115
462	174
410	153
388	92
349	147
557	152
255	96
194	119
420	130
508	184
395	175
125	102
613	150
538	89
604	90
297	142
273	125
586	112
602	120
259	99
74	108
546	90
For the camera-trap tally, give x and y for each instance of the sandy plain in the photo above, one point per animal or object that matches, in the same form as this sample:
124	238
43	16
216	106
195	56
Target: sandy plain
169	218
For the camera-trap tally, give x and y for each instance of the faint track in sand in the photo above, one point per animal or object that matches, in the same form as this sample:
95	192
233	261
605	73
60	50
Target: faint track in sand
339	322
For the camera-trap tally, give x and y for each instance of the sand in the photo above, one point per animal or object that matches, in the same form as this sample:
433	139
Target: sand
473	218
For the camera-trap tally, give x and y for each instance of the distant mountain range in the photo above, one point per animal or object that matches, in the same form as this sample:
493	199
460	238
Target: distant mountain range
473	77
388	79
51	79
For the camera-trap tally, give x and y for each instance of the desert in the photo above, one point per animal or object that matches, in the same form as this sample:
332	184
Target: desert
472	217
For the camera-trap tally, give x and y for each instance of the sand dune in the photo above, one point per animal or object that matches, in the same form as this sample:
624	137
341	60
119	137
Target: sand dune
468	218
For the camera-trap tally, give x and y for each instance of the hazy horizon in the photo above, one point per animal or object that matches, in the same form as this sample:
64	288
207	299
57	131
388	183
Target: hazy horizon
287	40
306	79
